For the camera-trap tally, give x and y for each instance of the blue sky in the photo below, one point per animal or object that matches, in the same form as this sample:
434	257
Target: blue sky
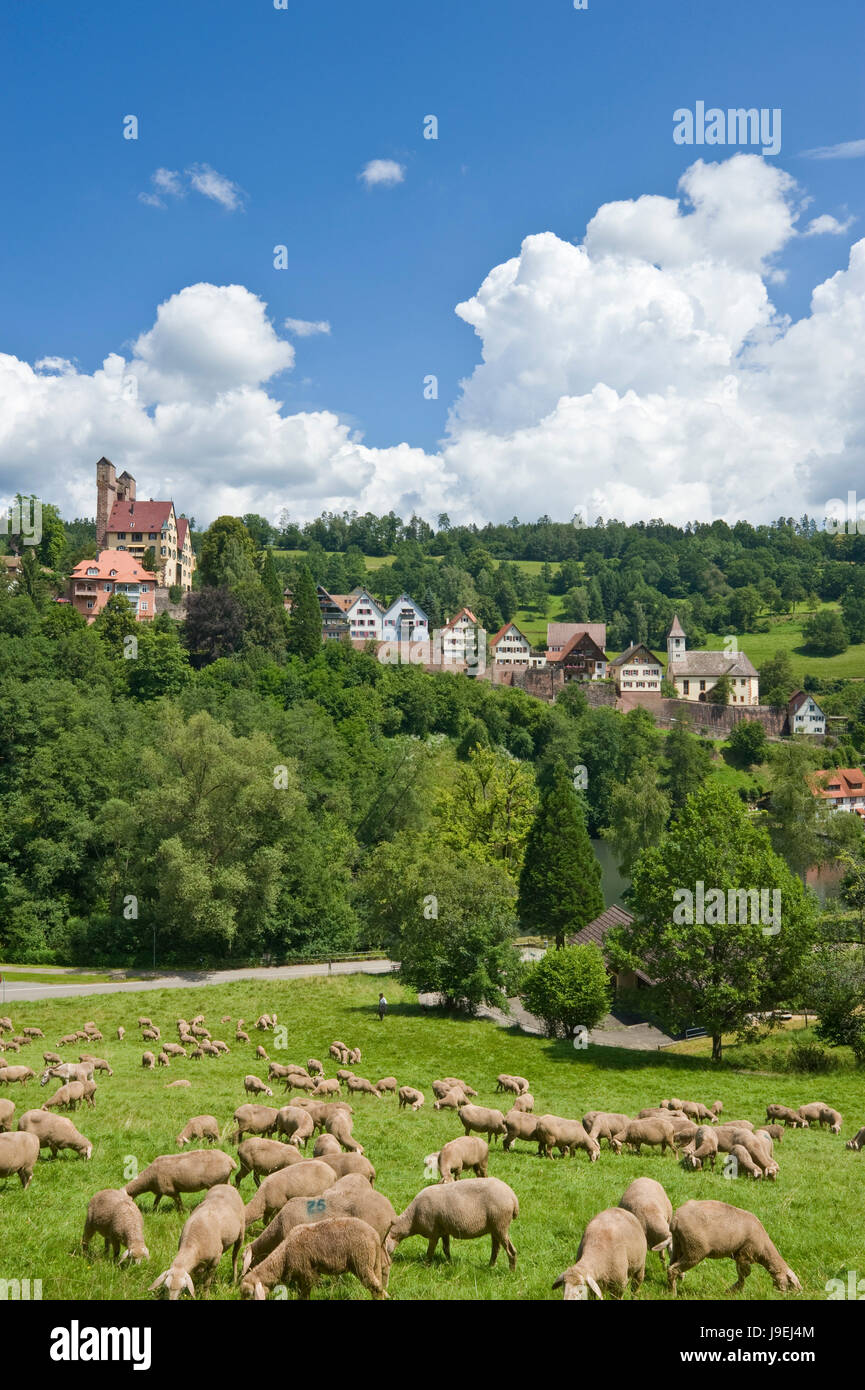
545	114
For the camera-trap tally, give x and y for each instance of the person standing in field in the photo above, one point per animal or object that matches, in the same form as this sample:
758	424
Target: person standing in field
382	1007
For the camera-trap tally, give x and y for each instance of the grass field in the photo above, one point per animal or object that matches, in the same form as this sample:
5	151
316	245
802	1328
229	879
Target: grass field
136	1118
786	634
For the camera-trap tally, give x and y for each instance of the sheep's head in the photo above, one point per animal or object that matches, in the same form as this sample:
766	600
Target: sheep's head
836	1128
175	1281
786	1280
577	1284
136	1253
253	1288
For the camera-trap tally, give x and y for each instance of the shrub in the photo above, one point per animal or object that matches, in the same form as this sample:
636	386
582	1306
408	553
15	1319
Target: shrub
568	989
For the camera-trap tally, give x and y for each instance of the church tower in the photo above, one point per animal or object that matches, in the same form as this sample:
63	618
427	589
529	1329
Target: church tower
676	644
110	489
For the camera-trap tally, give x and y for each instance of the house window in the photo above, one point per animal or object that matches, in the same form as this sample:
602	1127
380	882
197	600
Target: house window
686	687
93	570
702	685
163	550
90	603
107	588
137	536
151	535
112	573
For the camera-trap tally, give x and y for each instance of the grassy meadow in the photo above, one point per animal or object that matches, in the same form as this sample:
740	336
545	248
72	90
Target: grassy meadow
136	1117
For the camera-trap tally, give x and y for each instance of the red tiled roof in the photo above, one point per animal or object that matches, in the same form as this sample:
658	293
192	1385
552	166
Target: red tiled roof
455	619
558	634
506	628
139	516
126	565
850	780
182	528
578	639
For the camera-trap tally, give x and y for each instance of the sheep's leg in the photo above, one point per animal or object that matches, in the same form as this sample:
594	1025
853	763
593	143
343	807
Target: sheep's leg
431	1248
637	1281
497	1244
446	1247
234	1257
178	1205
743	1268
511	1252
156	1200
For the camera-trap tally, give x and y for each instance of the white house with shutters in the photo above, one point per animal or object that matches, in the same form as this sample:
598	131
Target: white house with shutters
461	638
365	616
636	669
804	715
405	621
510	647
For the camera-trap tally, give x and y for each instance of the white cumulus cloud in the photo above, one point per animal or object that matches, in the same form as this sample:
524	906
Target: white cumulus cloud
382	173
306	328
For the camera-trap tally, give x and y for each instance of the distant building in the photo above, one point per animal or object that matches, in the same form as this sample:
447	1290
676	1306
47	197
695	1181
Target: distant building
93	582
405	621
125	523
461	639
637	669
334	623
581	659
288	599
510	647
842	787
694	674
560	634
365	616
804	715
595	933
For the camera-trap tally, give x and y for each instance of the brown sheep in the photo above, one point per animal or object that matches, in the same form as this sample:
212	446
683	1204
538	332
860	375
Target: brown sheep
341	1245
716	1231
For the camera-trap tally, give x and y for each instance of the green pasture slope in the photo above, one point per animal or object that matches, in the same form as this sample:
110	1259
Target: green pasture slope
813	1212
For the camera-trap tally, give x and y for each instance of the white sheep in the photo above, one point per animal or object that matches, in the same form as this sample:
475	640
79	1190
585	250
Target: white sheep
460	1211
112	1214
171	1175
612	1252
716	1231
19	1153
340	1245
214	1227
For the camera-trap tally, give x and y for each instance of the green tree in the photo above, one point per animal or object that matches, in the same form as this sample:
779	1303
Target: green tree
802	825
720	692
148	560
747	742
214	625
304	627
270	580
161	666
560	882
777	681
490	807
227	553
639	811
116	621
715	972
568	989
835	988
826	634
687	763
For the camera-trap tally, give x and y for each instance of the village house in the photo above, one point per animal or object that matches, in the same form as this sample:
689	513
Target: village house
595	933
842	787
93	582
560	634
405	621
694	674
804	715
581	659
637	669
365	616
125	523
510	647
334	623
461	640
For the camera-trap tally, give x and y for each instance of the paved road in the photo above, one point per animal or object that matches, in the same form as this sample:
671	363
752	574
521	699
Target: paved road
20	993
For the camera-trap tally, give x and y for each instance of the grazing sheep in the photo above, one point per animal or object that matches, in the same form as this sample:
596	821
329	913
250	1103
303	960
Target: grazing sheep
648	1201
10	1046
340	1126
327	1088
696	1110
215	1226
791	1119
832	1118
276	1070
454	1100
226	1018
199	1127
240	1036
443	1088
174	1049
504	1082
36	1032
67	1097
7	1110
55	1132
326	1144
222	1047
69	1071
314	1066
196	1054
5	1024
337	1049
98	1064
354	1056
652	1131
148	1061
307	1179
260	1053
525	1102
462	1211
10	1075
455	1081
295	1082
519	1125
603	1124
177	1083
648	1110
261	1157
387	1086
112	1214
254	1086
150	1035
198	1030
465	1152
163	1060
145	1022
67	1039
296	1124
52	1058
411	1098
360	1085
717	1231
856	1143
703	1148
612	1252
254	1119
554	1131
170	1175
340	1245
342	1164
717	1107
350	1196
745	1162
482	1120
775	1132
121	1034
19	1153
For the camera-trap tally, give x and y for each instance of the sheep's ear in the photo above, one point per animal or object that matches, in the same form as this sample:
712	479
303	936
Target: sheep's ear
593	1286
124	1255
188	1284
663	1244
558	1283
260	1291
247	1261
793	1280
157	1283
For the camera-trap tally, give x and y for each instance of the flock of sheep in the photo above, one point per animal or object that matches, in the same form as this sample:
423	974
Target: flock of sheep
321	1214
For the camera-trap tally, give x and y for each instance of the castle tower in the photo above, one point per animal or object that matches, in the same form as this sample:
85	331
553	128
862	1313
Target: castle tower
110	489
676	643
106	496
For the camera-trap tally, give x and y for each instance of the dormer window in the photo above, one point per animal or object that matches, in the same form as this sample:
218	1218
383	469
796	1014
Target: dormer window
112	573
93	570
